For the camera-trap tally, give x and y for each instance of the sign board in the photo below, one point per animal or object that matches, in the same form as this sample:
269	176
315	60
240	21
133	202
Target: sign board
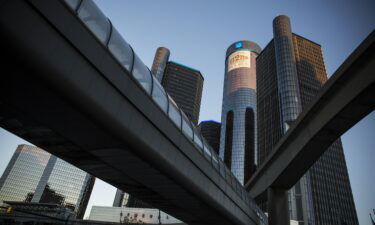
238	45
239	59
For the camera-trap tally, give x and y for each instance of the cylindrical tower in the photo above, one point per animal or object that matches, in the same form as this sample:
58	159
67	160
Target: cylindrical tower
287	78
238	130
300	196
160	61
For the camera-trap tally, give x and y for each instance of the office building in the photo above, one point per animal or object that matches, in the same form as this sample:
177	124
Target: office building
36	176
290	73
160	62
123	199
238	118
210	130
23	173
184	85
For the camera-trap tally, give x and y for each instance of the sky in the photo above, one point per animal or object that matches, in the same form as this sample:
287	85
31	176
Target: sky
198	33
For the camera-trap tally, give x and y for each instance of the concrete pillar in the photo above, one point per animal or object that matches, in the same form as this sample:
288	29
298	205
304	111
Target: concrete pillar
278	210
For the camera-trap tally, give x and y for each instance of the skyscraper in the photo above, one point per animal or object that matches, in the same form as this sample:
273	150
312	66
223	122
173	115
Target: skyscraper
121	199
210	130
23	173
238	118
184	84
160	62
34	175
290	73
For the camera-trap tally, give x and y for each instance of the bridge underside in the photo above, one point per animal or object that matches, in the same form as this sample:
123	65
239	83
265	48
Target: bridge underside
68	96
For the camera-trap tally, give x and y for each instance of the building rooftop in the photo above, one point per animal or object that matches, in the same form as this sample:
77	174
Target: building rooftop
187	67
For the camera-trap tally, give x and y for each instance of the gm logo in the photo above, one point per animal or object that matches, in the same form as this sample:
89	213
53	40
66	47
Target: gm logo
238	45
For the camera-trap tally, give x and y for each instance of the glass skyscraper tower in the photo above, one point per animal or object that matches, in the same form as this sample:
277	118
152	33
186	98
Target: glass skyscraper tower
184	84
23	173
210	131
238	129
34	175
290	73
160	62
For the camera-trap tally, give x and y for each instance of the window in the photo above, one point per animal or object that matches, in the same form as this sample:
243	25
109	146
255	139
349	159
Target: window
95	20
249	144
186	128
215	161
198	140
120	50
159	95
207	151
228	139
142	74
72	4
174	113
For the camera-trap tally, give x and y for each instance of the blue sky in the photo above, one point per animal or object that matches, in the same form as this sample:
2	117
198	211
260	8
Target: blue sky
197	32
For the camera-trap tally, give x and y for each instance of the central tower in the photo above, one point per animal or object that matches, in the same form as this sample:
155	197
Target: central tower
238	130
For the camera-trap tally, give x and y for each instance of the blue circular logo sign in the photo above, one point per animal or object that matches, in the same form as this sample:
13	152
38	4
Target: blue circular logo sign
238	45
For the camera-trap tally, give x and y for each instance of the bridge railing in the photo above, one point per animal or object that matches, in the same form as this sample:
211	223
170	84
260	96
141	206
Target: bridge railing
102	28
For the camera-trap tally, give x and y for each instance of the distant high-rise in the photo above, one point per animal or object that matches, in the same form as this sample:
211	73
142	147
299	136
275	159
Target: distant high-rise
121	199
23	173
238	118
34	175
160	62
184	85
290	73
210	130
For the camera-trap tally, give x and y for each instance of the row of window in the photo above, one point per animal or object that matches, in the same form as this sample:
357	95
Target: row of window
102	28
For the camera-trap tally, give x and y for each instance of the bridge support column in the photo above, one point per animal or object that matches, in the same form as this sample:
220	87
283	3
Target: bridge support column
278	209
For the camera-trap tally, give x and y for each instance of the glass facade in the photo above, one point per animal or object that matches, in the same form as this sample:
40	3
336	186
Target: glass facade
249	144
287	80
289	76
34	175
160	62
185	86
300	197
210	130
63	183
239	95
23	173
